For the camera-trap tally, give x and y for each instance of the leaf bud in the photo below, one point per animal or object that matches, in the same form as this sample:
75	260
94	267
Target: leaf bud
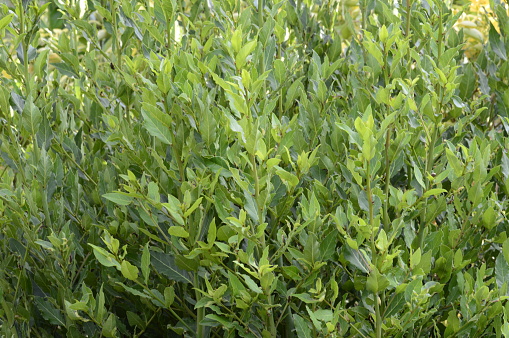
383	34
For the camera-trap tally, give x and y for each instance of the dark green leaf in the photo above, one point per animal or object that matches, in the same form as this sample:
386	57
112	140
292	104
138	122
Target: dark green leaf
49	311
165	264
501	271
301	327
497	43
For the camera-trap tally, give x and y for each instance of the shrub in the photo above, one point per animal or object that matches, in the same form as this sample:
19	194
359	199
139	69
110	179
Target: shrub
254	169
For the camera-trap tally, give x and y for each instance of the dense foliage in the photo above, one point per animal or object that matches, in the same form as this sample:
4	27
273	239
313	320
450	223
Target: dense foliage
265	168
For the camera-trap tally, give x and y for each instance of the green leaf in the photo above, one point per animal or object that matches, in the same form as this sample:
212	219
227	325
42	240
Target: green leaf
497	44
100	310
433	192
6	20
505	250
153	190
236	40
165	264
324	315
415	258
169	9
134	291
374	51
454	162
292	93
505	330
187	264
287	177
212	232
104	257
382	242
489	218
118	198
178	231
241	58
134	320
468	82
376	282
157	123
129	271
354	137
145	263
169	296
251	284
65	69
250	206
235	284
357	258
301	327
311	249
328	245
207	127
306	298
109	327
49	312
73	313
174	208
314	319
193	207
17	102
45	134
279	70
418	175
425	262
224	321
31	116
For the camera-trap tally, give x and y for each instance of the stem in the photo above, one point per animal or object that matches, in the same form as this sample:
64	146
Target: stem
169	308
434	135
387	144
63	152
378	320
374	258
22	32
21	270
278	56
429	167
387	177
407	31
148	322
370	211
262	56
440	34
45	207
362	8
408	15
257	195
116	45
270	316
386	64
260	13
200	312
168	241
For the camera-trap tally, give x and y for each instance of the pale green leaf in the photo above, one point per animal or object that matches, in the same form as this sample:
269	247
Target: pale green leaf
129	271
118	198
178	231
